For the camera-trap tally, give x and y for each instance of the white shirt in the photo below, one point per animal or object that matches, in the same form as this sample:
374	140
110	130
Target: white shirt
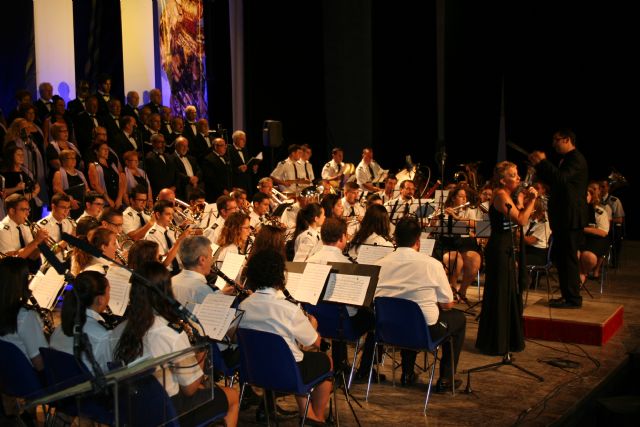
306	168
264	311
50	224
288	170
409	274
602	220
331	169
9	238
541	231
384	196
254	219
131	220
209	215
329	254
350	212
373	239
399	207
99	337
85	213
307	243
289	216
617	210
160	340
363	175
28	336
156	234
213	233
190	287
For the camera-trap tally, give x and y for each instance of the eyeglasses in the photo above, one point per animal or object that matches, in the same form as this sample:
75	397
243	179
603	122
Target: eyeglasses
24	209
115	225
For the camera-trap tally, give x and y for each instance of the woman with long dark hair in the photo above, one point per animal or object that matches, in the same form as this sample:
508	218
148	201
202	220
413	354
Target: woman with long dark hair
332	205
148	334
306	237
90	295
19	325
375	229
143	251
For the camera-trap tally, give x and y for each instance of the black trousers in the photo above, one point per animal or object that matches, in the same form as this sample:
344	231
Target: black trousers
363	321
565	250
449	321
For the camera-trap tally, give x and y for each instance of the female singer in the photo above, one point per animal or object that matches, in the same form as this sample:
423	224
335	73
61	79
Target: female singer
264	311
90	294
19	325
103	239
375	229
59	142
67	177
307	233
332	205
596	241
464	257
105	178
17	177
58	115
235	236
151	335
501	329
134	176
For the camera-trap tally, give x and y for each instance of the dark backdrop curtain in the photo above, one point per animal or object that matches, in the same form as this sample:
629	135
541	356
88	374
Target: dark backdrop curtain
98	42
218	63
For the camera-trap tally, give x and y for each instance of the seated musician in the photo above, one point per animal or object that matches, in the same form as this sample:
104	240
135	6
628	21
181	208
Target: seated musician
307	234
143	251
264	311
93	204
91	296
374	230
334	241
259	209
163	233
57	222
463	253
18	324
332	205
135	221
235	236
226	206
16	238
152	331
265	185
404	203
103	239
406	273
289	175
596	236
288	217
333	170
353	211
368	172
536	235
389	193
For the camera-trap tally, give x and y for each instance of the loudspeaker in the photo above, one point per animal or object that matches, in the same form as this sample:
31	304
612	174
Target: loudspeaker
272	133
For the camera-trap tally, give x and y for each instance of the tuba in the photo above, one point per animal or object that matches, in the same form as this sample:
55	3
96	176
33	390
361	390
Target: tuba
616	181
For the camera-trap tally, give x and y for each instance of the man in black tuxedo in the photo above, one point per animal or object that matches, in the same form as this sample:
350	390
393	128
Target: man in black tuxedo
111	120
202	144
567	211
239	157
131	107
188	171
160	169
104	93
125	140
155	101
217	171
85	122
190	125
76	106
44	104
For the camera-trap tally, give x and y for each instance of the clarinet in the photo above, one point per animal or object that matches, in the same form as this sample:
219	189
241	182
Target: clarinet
324	345
45	315
241	291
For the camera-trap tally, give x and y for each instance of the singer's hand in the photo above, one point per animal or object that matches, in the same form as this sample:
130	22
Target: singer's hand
532	193
536	157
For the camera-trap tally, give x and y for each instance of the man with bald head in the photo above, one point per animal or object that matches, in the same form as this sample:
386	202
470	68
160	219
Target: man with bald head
202	144
187	169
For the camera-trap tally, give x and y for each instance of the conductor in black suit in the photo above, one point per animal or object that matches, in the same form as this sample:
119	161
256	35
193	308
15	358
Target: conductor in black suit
567	211
188	172
161	170
217	171
239	156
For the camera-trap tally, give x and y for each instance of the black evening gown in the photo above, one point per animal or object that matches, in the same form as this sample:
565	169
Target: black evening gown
501	326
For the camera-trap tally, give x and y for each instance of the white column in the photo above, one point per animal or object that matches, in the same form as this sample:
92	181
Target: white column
137	45
55	54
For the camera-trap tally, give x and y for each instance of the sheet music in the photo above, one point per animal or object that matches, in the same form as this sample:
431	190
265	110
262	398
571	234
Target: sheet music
46	287
232	264
119	292
293	283
312	283
426	244
347	289
214	248
215	314
369	254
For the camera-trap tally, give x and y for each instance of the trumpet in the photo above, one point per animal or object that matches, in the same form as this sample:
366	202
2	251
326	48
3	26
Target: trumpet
35	227
186	212
278	197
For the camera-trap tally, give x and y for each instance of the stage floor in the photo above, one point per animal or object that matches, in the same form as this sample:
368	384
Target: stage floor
501	396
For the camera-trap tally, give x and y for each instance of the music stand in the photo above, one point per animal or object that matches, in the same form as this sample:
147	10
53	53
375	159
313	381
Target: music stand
366	291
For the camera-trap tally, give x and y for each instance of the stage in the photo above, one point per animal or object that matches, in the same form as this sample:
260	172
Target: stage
506	396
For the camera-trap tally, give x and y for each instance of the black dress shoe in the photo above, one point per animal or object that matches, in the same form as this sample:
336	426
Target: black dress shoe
444	386
565	304
408	378
556	300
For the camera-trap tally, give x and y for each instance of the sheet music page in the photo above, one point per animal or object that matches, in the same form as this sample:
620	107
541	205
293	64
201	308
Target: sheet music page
46	287
232	265
312	283
347	289
369	254
215	314
426	244
293	283
214	248
119	292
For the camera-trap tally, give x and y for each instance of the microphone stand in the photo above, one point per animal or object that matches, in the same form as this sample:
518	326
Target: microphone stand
506	358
